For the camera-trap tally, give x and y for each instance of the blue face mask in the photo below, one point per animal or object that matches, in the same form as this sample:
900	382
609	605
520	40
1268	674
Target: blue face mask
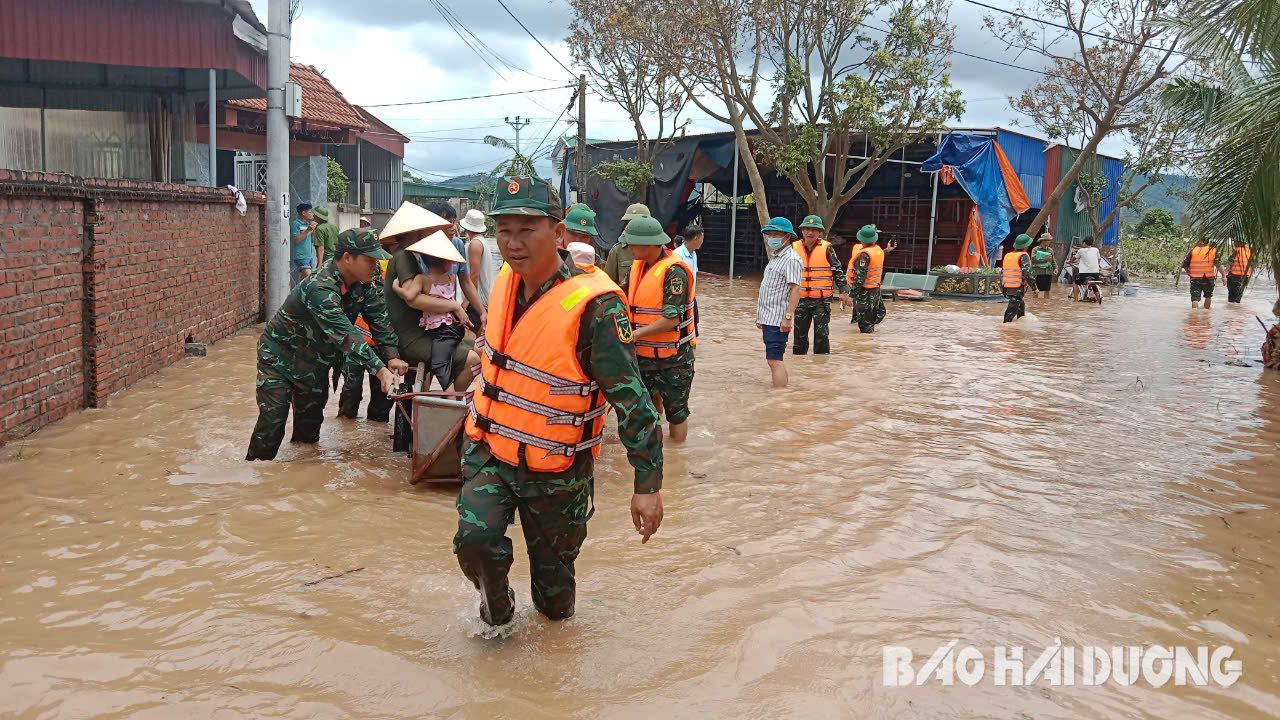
775	242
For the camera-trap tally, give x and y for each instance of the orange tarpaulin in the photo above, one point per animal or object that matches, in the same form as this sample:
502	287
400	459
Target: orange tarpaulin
1012	184
972	253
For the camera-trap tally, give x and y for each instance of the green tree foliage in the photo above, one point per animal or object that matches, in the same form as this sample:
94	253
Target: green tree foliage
1236	195
337	182
1157	223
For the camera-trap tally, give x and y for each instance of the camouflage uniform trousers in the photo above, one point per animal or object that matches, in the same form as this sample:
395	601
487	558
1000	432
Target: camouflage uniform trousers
379	409
553	511
1017	307
276	391
815	311
1235	287
868	308
669	379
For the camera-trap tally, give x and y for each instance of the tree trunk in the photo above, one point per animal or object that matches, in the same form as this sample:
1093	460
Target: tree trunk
1047	205
753	172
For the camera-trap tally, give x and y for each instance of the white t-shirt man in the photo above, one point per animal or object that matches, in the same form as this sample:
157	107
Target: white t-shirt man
1088	260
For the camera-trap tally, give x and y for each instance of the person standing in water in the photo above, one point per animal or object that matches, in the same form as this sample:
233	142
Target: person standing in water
1016	277
1044	266
866	272
779	295
823	278
1199	266
660	298
1237	271
557	354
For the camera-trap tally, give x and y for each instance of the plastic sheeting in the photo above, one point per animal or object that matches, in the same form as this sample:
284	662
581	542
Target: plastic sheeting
982	172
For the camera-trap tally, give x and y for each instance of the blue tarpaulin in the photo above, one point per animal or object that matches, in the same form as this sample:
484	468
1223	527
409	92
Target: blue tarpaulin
973	159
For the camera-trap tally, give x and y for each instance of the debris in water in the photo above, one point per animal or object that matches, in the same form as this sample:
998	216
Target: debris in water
331	577
1236	362
195	349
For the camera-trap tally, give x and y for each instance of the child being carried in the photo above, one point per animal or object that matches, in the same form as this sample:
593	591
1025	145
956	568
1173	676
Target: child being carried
446	322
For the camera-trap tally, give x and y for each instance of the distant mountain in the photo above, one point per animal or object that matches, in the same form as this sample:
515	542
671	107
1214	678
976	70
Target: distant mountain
464	182
1171	194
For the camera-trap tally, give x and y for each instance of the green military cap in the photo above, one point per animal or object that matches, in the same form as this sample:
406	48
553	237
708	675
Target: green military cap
526	196
1022	242
363	241
321	212
869	234
644	230
812	221
636	210
580	220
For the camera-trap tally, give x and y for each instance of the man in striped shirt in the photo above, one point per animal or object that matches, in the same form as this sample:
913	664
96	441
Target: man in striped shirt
779	295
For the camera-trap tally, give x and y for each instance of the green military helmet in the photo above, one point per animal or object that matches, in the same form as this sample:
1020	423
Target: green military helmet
363	241
636	210
1022	242
645	230
868	235
812	221
581	220
526	196
321	212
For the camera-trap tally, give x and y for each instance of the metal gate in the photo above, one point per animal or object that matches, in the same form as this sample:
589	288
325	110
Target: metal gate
251	172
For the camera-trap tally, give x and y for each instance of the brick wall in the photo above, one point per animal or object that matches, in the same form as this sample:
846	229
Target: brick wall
102	282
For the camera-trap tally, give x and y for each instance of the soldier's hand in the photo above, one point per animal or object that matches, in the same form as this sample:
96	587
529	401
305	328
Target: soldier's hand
398	366
646	513
845	302
387	379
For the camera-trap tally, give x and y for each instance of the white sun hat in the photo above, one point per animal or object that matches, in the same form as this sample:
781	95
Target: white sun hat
473	221
413	219
438	245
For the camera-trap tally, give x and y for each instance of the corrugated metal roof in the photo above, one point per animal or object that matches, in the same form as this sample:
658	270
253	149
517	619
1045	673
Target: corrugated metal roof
239	7
321	101
428	190
139	33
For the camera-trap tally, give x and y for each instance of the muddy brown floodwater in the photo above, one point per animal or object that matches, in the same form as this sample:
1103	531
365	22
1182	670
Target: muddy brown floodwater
1094	476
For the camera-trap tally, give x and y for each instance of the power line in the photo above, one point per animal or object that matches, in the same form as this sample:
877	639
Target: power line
952	51
469	97
535	37
1068	28
554	123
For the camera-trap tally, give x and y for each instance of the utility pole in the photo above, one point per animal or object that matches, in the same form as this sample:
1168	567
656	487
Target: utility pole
518	124
580	156
277	230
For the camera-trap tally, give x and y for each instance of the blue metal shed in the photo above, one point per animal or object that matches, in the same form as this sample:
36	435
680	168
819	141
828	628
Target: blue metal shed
1026	154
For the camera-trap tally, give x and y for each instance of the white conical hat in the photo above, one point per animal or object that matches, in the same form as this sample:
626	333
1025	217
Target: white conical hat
437	244
412	218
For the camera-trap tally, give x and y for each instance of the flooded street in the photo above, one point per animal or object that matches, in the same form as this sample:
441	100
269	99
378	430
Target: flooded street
1092	475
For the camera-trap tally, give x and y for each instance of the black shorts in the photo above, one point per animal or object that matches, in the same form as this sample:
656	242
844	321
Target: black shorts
1201	286
1043	282
1082	278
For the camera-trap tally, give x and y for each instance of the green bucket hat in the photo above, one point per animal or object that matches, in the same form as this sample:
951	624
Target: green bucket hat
636	210
581	221
868	235
1022	242
322	213
363	241
812	221
645	230
526	196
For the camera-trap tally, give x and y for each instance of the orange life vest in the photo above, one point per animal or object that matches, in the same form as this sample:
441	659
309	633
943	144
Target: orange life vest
534	402
1011	270
875	268
818	278
1240	261
365	332
645	288
1202	259
857	248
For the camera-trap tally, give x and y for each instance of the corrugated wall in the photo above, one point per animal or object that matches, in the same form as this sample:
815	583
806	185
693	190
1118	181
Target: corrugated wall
1071	225
1027	157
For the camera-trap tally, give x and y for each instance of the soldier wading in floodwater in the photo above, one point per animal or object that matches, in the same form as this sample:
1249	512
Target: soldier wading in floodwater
557	349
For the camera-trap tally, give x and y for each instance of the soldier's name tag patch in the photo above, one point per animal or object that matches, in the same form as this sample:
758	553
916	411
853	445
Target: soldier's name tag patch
623	325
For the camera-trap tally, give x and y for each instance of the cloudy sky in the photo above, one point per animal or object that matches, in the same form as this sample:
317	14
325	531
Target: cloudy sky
395	51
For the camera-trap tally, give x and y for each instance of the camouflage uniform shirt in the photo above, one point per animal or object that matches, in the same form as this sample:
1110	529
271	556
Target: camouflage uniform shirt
314	329
611	362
